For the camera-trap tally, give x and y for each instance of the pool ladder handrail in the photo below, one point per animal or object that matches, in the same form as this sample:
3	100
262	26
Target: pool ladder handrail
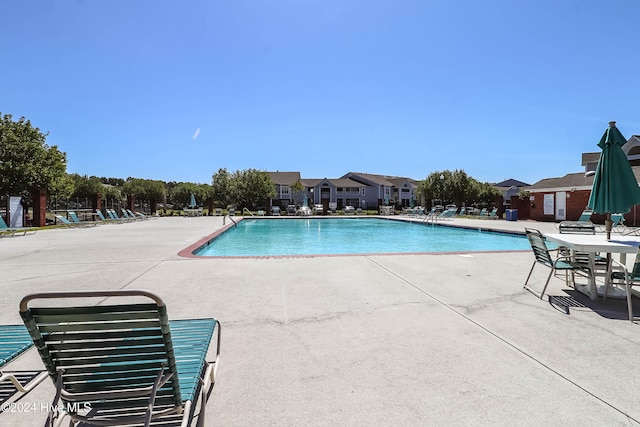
235	224
247	210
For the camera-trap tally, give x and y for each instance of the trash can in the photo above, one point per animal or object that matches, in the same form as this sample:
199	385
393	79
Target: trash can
511	214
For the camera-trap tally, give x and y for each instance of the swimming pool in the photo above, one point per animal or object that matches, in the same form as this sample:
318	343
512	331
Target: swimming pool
342	236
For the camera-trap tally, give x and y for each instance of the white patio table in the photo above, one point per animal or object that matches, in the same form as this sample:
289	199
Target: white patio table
598	243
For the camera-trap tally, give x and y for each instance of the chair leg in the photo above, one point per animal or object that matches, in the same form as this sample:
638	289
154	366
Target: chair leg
629	304
529	276
53	415
533	291
547	283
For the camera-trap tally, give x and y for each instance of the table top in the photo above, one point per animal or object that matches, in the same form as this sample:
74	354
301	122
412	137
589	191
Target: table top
596	242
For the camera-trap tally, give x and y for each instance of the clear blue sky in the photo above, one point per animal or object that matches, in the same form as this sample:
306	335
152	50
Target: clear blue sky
174	90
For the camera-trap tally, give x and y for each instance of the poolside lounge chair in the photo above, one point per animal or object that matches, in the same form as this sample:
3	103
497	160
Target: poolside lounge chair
617	224
66	222
141	215
483	212
446	214
430	214
628	279
10	231
629	231
123	362
136	215
543	256
130	216
76	220
111	215
114	215
15	340
586	215
105	219
493	214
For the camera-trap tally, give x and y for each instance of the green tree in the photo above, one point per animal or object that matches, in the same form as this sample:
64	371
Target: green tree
488	193
523	194
26	161
115	182
462	188
296	190
206	194
455	187
85	186
221	188
434	187
251	187
181	194
146	189
62	188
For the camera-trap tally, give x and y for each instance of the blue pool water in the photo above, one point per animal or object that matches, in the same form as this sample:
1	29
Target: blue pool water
279	237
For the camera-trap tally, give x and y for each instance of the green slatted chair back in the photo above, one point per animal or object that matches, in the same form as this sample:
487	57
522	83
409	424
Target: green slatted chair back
635	271
539	247
617	219
74	217
108	355
585	215
576	227
63	220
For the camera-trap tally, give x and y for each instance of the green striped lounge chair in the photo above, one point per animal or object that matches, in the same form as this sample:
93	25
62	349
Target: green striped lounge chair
15	340
76	220
122	362
65	222
104	218
10	231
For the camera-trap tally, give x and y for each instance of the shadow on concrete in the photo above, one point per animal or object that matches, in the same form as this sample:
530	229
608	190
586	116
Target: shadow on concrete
613	308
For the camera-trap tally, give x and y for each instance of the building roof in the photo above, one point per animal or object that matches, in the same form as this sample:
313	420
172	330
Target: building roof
589	158
337	182
577	181
311	182
399	182
284	178
347	182
511	183
572	180
386	180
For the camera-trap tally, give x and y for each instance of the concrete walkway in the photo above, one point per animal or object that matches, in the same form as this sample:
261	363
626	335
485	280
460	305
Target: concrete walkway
355	340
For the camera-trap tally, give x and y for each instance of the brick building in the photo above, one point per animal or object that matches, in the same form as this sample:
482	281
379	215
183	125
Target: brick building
564	198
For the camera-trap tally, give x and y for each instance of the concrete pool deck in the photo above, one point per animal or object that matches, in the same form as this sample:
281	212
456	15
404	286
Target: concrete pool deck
427	339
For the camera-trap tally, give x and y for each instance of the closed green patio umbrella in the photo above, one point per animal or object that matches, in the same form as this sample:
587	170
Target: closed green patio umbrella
615	188
192	202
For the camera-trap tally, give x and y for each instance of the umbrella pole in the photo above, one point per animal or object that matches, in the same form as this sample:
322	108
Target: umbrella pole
608	225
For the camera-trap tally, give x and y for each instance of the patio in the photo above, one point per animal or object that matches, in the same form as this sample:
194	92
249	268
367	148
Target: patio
355	340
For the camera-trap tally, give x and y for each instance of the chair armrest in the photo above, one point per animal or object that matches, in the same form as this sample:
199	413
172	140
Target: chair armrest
617	265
